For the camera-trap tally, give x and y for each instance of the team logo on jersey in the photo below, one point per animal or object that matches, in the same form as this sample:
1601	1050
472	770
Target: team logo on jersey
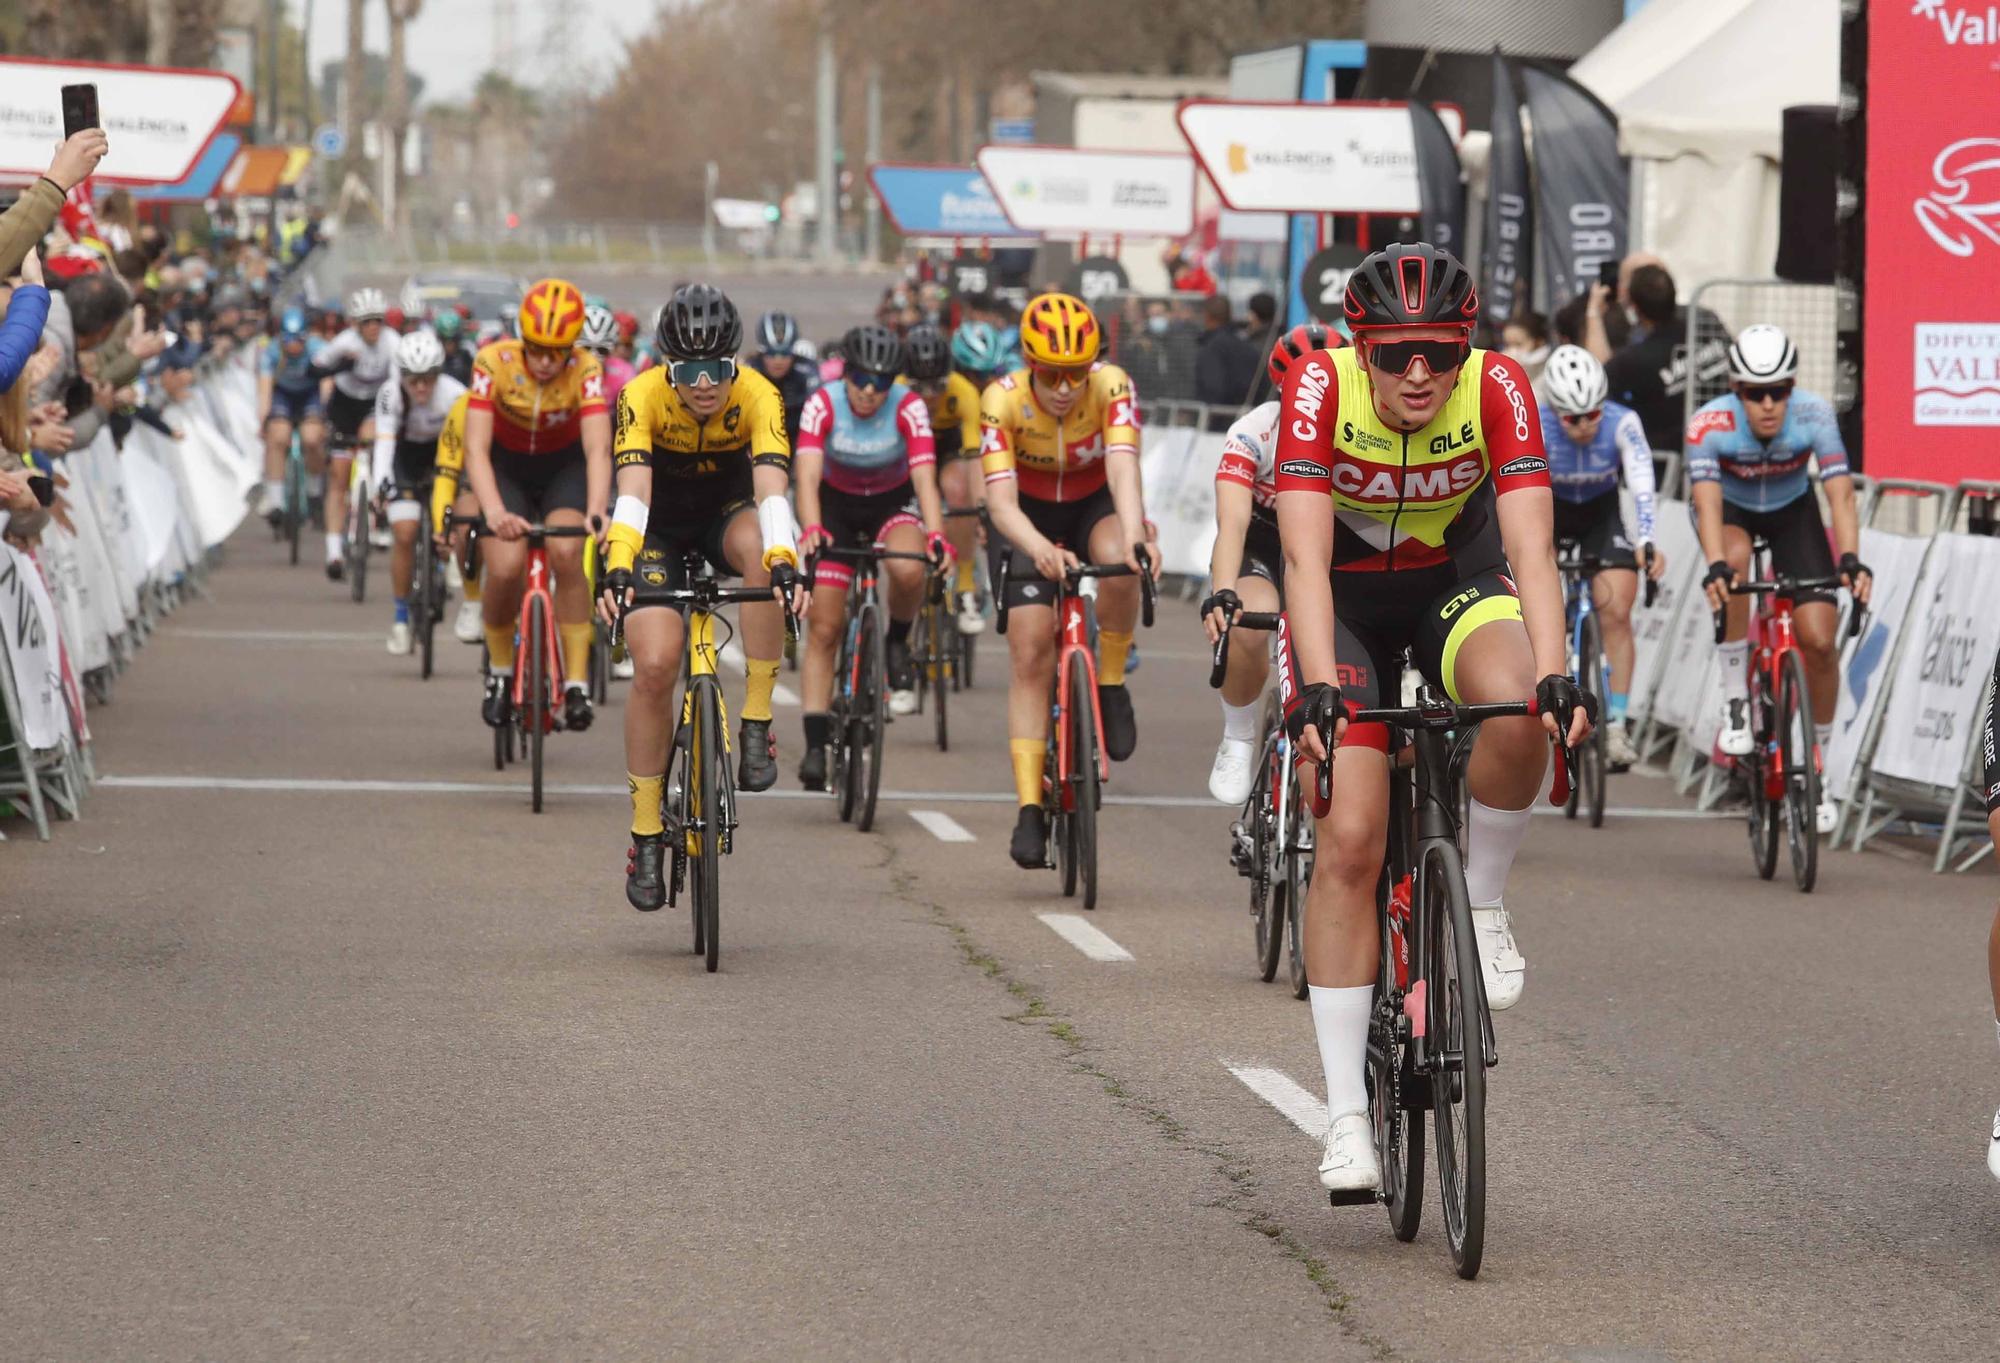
593	387
1384	483
1525	465
731	417
1306	400
482	384
992	440
1520	405
1719	421
1302	468
1121	413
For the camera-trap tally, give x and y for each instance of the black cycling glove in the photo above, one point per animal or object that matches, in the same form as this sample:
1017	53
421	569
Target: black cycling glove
1318	705
1718	571
1851	567
1561	697
1227	599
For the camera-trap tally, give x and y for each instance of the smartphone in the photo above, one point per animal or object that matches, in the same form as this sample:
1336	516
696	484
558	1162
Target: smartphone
1607	275
79	109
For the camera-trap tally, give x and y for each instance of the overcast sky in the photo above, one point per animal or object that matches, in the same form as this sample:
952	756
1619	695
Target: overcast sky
451	41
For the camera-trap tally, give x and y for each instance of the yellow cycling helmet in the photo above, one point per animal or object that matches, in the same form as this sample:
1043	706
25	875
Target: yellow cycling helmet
552	314
1059	329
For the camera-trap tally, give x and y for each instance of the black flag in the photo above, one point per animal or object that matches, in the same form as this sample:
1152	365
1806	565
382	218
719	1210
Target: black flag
1507	264
1438	182
1583	187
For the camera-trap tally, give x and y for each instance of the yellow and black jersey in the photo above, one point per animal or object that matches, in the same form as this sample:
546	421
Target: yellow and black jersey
656	428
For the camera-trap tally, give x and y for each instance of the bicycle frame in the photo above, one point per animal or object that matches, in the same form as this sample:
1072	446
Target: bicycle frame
1072	637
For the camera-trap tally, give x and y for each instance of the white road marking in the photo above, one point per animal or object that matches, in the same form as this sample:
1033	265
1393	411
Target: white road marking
942	826
1080	933
1281	1091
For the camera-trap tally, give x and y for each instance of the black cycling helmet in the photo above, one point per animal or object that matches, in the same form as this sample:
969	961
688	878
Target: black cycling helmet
699	323
1411	284
873	348
930	353
777	333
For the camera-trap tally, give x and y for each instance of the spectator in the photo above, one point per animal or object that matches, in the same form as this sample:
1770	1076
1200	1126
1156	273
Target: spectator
1225	366
1188	274
1650	372
34	213
118	221
21	332
1526	338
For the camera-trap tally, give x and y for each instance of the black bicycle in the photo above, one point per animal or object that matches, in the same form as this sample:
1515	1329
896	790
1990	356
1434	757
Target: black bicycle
859	708
427	584
1588	664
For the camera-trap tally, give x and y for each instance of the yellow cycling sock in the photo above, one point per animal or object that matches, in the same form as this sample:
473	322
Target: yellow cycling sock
1111	650
646	802
500	646
1027	755
761	675
963	583
472	587
576	642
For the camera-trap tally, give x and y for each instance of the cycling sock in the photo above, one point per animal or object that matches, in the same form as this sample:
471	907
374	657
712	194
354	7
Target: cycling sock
760	678
1026	754
646	802
472	587
274	490
963	583
500	647
899	631
819	730
1822	735
1111	650
1240	722
576	642
1734	657
1492	837
402	610
1340	1021
1618	701
333	546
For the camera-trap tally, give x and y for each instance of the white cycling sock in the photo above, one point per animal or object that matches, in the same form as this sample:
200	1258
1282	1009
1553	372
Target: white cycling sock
274	489
1240	722
1340	1021
1822	735
1492	837
332	546
1734	658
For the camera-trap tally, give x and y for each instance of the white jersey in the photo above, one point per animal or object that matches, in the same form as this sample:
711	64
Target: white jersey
367	367
396	420
1250	456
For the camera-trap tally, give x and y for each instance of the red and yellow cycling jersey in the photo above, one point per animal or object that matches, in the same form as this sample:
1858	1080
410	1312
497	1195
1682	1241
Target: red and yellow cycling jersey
1057	460
531	417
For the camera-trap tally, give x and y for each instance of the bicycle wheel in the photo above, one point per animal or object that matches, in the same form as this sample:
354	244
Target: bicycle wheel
941	650
1298	880
1795	751
1590	761
500	745
1083	776
1763	813
295	503
871	696
966	653
424	606
1456	1004
1398	1123
1266	865
600	663
534	703
357	543
711	764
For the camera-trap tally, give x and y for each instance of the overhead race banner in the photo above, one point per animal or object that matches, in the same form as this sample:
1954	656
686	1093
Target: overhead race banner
1931	200
1077	192
1583	187
1356	156
1506	268
939	201
1440	186
158	120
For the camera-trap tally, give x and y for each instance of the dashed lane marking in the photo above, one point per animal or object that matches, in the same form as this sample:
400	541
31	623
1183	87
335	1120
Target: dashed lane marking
1085	936
1286	1094
942	826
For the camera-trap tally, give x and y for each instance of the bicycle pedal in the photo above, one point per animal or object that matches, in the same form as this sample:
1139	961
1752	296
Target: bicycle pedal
1353	1197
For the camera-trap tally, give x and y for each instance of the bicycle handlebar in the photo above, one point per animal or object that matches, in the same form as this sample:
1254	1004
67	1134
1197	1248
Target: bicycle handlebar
1791	586
1072	577
1443	715
478	526
1588	565
1218	667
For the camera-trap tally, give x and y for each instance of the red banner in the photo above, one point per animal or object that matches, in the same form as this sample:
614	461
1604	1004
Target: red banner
1931	288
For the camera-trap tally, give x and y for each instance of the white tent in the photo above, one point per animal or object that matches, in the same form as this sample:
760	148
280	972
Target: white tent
1700	88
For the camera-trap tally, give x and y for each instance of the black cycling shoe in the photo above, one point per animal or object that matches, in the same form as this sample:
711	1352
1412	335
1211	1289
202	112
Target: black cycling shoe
757	767
900	667
1030	848
336	570
645	885
1121	730
498	706
577	713
812	771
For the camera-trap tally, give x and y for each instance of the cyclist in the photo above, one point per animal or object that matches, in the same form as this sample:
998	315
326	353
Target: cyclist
458	356
1589	440
953	403
449	492
1059	442
409	415
538	448
289	395
359	360
777	359
1247	568
976	353
703	465
600	338
1748	454
1407	464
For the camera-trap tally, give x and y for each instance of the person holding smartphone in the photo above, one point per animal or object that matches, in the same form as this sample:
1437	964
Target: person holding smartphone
34	213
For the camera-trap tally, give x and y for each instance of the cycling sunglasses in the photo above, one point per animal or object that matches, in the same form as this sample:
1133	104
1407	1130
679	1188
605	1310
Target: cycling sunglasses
1580	418
1062	376
870	380
545	352
1763	392
1397	357
702	373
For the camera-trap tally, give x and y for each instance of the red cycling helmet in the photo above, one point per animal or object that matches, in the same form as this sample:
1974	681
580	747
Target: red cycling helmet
1298	343
628	326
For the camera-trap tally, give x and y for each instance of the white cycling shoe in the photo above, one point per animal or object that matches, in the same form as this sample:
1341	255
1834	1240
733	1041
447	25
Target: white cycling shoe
1993	1148
400	642
470	626
970	619
1735	740
1505	968
1347	1161
1234	772
623	669
1827	817
1619	753
902	702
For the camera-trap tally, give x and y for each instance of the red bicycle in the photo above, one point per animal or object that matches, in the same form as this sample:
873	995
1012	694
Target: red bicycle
538	665
1782	771
1075	768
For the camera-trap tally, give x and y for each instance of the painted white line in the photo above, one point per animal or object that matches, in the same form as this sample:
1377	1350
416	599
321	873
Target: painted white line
1085	937
1281	1091
942	826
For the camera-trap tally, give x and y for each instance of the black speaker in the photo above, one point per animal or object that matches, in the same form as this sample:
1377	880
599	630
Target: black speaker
1808	242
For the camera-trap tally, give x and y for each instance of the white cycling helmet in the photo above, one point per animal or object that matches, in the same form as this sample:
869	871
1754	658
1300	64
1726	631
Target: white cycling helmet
419	353
1763	354
366	305
1574	381
600	330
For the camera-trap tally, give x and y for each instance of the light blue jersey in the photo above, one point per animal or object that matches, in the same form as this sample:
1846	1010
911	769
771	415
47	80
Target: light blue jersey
1759	475
1582	473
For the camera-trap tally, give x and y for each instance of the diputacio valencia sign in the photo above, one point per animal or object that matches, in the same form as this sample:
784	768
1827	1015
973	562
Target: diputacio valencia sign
157	119
1356	156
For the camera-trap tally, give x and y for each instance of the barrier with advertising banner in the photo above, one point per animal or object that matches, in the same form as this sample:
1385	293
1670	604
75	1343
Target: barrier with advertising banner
1177	465
1897	562
1652	626
1935	689
32	648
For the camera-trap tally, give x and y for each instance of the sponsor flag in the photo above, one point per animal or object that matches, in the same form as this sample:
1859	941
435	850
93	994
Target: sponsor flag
1439	185
1507	255
1583	187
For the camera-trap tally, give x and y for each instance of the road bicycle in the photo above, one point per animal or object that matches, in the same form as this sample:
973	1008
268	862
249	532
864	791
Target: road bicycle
1430	1035
1074	767
859	710
538	663
296	508
1782	773
1590	667
429	593
935	647
1271	842
361	522
698	798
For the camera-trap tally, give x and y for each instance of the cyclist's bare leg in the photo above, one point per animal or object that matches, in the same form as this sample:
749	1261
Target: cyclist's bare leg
1340	929
1736	548
506	571
1495	663
824	622
653	639
572	593
312	438
340	470
1250	649
960	486
1612	592
905	579
1117	597
1031	656
1814	624
277	444
763	622
403	528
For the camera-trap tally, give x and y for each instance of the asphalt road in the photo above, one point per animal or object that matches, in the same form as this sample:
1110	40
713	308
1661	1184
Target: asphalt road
316	1043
